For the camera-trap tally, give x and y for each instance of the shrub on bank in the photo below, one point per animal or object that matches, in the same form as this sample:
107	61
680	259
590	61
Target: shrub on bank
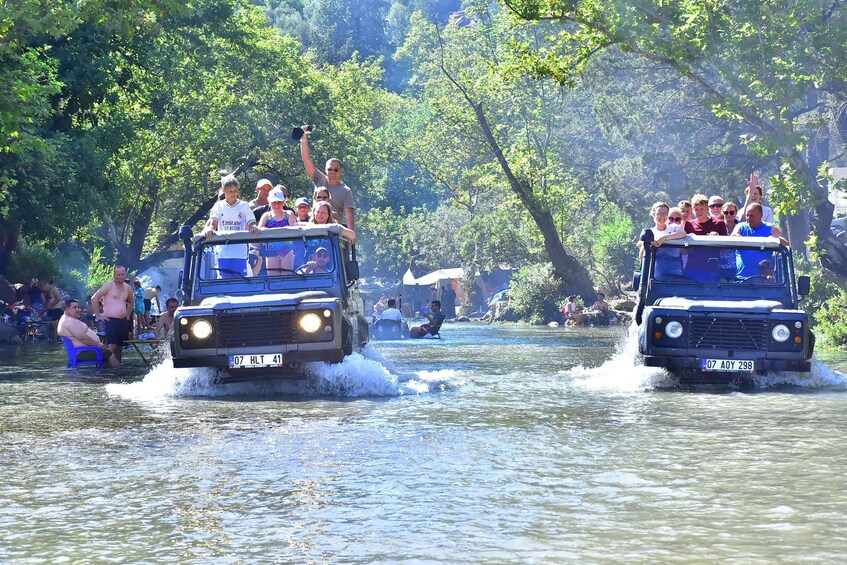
831	325
826	304
537	293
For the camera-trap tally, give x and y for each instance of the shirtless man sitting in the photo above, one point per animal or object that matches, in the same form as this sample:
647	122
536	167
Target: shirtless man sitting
71	327
118	303
165	325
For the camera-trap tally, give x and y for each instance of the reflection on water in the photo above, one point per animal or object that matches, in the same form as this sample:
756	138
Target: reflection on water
494	444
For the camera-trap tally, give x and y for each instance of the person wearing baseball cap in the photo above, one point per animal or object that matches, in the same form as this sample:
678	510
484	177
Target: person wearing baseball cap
260	204
302	207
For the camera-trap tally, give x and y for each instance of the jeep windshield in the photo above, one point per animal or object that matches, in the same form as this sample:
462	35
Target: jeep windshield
264	257
736	268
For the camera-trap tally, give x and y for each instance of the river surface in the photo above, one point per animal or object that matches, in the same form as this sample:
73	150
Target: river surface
493	445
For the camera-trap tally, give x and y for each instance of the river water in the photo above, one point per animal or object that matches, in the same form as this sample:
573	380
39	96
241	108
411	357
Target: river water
493	445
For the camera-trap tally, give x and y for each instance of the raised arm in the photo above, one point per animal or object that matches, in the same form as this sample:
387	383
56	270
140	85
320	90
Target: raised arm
306	154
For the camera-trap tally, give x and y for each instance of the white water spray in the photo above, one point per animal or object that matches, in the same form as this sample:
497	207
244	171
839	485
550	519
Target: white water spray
359	375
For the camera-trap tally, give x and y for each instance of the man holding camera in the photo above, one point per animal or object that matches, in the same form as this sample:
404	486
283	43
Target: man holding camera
340	195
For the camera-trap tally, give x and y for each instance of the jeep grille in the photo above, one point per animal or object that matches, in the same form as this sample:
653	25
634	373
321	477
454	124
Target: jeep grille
256	329
728	333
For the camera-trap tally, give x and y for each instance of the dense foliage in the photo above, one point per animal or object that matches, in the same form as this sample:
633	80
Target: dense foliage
529	133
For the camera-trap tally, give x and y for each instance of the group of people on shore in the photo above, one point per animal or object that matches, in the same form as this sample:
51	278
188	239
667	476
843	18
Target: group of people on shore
598	315
116	305
332	203
711	216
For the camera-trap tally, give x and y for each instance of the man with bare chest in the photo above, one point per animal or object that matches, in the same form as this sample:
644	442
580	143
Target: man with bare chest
117	304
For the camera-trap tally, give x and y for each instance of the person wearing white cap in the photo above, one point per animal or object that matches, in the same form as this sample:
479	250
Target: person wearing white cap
303	208
280	254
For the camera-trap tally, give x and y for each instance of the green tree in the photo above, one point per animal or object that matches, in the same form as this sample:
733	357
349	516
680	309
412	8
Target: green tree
774	66
488	133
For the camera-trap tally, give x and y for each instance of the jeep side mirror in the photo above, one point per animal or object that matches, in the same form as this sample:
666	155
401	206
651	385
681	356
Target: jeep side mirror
804	284
636	280
352	268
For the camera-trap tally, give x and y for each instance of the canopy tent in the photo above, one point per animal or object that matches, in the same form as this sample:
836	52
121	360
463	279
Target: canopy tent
433	277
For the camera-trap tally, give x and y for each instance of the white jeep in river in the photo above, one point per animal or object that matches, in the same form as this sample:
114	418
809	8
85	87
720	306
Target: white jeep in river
253	318
703	322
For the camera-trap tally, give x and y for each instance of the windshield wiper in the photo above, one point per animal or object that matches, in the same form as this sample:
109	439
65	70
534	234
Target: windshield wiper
229	272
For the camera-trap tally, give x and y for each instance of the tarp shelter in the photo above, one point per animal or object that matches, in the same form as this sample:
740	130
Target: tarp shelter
434	277
417	290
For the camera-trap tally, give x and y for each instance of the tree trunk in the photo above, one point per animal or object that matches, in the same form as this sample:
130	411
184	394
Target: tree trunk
833	253
9	238
572	272
130	253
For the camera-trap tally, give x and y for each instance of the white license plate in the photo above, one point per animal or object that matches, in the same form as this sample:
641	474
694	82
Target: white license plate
728	365
255	360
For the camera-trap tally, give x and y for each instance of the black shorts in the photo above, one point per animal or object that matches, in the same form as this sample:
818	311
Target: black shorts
148	305
91	355
53	314
117	331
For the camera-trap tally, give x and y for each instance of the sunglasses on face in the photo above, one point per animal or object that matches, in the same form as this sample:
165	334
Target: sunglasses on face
715	205
333	170
675	220
322	254
730	212
321	197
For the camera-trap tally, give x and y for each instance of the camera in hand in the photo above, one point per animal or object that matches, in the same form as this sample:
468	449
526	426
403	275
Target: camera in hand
297	133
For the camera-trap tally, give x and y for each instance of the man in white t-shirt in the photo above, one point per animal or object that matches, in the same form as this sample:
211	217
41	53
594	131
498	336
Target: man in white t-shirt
392	313
227	216
71	327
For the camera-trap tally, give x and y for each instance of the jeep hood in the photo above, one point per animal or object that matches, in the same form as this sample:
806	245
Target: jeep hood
276	299
750	306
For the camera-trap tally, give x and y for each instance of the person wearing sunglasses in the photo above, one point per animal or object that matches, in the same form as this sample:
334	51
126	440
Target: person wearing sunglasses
340	195
730	215
319	263
668	261
716	207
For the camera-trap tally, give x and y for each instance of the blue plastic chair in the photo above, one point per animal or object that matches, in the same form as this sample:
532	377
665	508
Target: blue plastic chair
74	351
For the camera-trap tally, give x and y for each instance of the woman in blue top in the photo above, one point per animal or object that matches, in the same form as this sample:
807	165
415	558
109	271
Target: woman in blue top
280	254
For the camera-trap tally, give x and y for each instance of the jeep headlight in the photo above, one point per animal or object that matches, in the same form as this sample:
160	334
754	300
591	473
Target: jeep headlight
310	323
780	333
673	330
201	329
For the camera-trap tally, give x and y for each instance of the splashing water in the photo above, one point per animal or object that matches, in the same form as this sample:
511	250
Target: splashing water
625	372
359	375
